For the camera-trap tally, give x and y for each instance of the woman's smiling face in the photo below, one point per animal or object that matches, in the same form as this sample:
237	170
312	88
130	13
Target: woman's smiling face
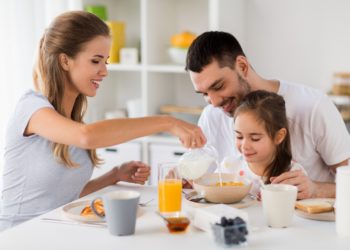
88	68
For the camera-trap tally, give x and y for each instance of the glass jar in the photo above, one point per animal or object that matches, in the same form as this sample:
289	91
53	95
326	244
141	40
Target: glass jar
341	83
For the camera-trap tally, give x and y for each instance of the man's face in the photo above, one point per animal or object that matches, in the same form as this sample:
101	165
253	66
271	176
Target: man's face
221	87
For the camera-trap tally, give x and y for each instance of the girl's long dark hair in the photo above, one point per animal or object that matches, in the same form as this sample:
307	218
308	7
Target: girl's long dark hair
270	109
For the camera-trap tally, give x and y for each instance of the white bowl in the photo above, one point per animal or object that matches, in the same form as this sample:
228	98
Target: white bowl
206	186
177	55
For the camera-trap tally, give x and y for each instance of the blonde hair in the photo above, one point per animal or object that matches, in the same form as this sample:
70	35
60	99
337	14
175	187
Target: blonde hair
67	34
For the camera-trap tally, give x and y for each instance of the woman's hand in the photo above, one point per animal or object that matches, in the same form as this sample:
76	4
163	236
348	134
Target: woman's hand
190	135
133	171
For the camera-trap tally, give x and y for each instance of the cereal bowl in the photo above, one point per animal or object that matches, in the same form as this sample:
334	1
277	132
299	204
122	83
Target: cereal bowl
231	190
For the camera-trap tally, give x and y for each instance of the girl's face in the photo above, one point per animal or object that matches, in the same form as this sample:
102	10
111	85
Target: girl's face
252	140
89	67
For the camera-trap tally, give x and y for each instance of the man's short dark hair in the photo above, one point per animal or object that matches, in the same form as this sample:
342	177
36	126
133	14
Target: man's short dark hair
213	45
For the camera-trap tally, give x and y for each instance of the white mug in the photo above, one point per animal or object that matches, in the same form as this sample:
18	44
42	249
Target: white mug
278	202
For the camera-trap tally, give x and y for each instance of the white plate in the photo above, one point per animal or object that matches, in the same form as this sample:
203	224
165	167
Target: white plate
73	210
327	216
246	202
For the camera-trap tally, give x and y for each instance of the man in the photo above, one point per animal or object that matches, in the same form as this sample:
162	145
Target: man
221	72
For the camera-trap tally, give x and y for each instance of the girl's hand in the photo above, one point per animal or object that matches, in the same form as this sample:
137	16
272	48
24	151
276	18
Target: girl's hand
190	135
133	171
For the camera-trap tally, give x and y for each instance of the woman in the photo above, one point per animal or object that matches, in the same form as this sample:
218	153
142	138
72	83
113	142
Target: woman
50	153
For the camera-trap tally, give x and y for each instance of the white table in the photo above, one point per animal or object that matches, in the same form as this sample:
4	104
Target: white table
151	233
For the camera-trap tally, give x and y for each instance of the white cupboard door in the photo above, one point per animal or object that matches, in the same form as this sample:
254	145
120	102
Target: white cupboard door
160	153
116	155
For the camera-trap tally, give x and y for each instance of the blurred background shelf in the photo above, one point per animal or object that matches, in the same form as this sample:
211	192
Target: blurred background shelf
158	83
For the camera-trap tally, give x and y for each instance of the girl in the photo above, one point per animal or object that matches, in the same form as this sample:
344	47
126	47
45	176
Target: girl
262	137
50	153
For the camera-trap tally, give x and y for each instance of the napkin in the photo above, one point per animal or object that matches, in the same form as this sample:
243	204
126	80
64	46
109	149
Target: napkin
204	217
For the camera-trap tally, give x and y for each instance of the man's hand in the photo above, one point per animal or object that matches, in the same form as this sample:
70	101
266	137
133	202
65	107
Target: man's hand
306	187
133	171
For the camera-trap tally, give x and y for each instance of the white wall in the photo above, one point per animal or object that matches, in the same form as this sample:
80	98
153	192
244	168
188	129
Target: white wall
305	41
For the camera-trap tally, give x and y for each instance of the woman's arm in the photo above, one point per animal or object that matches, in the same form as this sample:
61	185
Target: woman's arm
133	171
49	124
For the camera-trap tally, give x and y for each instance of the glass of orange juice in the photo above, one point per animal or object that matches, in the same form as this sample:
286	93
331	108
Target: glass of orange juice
169	189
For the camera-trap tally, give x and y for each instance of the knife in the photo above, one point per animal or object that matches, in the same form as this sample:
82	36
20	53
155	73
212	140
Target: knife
73	222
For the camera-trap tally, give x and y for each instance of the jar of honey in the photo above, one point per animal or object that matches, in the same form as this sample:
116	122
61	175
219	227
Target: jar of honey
341	83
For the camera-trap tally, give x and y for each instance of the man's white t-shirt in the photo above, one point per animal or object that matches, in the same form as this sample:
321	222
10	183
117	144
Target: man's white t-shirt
319	137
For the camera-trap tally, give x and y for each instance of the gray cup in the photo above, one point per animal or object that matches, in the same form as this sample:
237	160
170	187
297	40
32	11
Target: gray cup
120	211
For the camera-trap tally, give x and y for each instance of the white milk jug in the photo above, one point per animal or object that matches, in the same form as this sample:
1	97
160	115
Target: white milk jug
196	162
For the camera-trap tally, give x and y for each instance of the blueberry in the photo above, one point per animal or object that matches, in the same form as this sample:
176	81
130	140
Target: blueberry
223	221
233	239
244	230
238	221
230	222
227	233
243	239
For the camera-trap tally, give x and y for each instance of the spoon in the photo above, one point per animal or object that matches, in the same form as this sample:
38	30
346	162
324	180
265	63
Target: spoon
162	216
144	204
194	196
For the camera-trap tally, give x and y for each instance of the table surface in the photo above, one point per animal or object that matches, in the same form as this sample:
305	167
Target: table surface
151	232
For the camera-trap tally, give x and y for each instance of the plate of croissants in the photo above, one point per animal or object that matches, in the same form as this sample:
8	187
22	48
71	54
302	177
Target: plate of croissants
81	211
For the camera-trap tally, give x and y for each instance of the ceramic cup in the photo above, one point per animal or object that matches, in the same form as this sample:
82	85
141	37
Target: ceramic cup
278	201
120	211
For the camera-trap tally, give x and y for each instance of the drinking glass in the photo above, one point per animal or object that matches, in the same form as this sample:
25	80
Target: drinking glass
169	189
278	201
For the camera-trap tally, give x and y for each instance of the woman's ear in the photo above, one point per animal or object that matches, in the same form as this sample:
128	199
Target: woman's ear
64	61
280	135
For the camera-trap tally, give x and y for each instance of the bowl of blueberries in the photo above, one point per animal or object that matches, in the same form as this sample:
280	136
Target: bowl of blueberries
230	231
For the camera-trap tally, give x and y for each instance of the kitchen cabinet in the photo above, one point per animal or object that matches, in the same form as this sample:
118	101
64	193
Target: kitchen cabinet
160	153
155	80
116	155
